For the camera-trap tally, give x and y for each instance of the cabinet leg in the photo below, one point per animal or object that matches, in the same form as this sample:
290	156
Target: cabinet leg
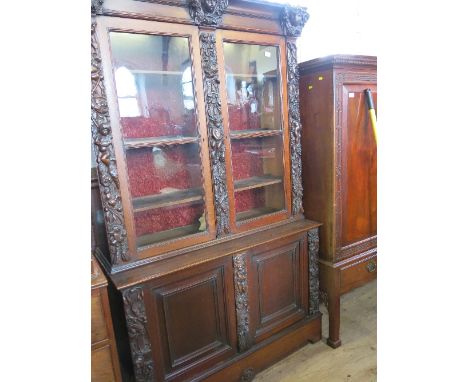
334	321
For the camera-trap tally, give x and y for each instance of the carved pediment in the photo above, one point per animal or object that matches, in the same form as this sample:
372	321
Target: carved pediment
293	20
207	12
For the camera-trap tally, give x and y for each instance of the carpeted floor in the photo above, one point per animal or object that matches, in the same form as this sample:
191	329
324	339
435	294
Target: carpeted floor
354	361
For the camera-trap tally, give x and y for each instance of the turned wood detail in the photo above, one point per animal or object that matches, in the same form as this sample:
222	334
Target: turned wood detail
314	293
105	158
207	12
293	19
242	301
295	128
138	334
215	130
247	375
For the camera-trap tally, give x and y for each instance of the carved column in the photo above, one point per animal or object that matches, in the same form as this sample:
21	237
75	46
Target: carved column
215	130
138	335
105	157
314	293
242	301
292	21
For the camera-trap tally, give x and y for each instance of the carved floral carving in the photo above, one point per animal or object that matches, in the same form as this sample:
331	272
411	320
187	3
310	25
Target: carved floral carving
207	12
293	20
96	7
105	158
215	130
247	375
314	293
139	343
295	128
242	301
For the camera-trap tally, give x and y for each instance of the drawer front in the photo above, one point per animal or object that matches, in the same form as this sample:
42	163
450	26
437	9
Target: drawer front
98	322
101	365
278	288
355	274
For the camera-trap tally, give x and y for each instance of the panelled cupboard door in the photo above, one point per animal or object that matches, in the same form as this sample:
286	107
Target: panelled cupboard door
154	88
252	73
359	163
277	287
191	319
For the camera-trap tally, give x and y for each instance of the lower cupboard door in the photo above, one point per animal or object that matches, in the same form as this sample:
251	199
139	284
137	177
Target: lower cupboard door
191	320
277	288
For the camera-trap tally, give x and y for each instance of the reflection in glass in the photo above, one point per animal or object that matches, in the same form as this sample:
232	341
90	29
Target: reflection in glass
153	76
252	86
154	85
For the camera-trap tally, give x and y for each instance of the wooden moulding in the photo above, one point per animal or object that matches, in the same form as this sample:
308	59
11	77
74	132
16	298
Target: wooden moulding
337	60
197	256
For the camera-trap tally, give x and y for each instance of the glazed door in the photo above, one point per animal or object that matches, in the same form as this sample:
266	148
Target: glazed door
254	97
359	219
154	88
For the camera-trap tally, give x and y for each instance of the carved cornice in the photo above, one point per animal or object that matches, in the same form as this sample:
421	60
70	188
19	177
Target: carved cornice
137	331
215	130
105	158
242	301
96	7
207	12
295	128
293	19
314	294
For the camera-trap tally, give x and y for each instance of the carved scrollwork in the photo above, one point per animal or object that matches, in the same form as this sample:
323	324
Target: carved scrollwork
293	20
242	301
314	293
247	375
96	7
215	130
105	158
207	12
139	343
295	128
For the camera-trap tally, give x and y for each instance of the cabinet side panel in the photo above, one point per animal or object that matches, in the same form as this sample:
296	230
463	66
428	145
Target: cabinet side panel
316	105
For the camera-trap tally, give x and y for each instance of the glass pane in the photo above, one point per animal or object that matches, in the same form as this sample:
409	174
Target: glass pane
153	76
257	165
166	186
253	87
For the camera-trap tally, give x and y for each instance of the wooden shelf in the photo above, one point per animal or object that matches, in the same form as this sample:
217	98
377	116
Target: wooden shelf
255	182
137	143
242	134
170	234
247	75
145	203
160	72
254	213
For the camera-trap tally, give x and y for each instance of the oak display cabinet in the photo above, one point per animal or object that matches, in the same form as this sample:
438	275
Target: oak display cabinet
213	268
340	173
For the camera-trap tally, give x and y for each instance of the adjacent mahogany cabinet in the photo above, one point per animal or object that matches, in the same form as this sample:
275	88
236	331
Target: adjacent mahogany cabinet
196	131
340	172
105	365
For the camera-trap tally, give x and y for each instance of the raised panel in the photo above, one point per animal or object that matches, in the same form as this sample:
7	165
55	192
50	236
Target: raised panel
278	288
193	320
359	183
